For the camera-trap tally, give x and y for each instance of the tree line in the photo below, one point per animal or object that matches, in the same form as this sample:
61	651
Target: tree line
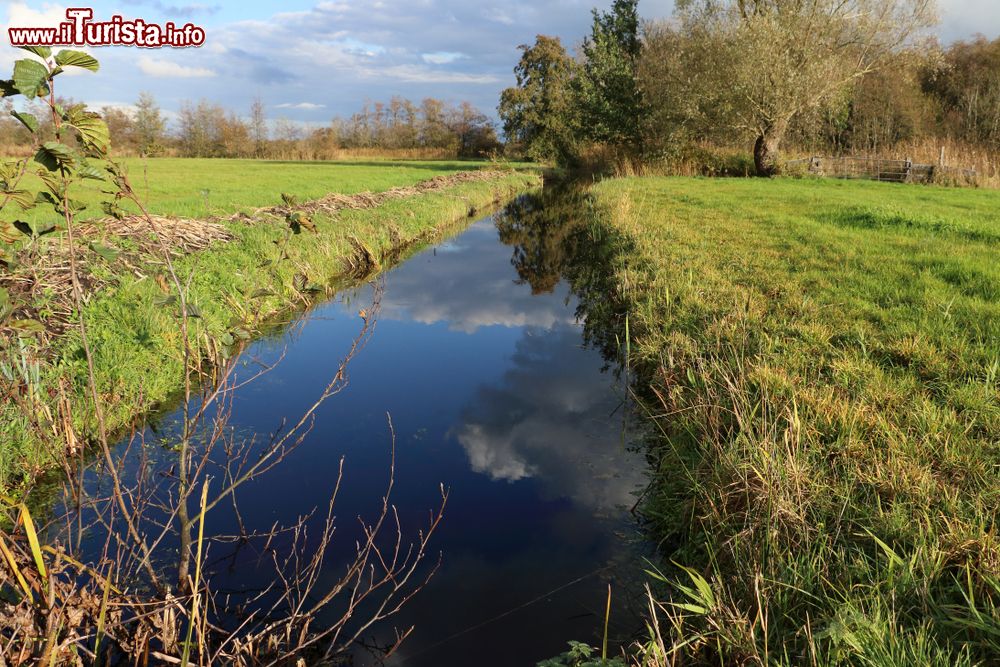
206	129
840	76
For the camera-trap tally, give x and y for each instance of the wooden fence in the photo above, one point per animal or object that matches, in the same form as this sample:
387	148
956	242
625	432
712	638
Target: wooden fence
878	169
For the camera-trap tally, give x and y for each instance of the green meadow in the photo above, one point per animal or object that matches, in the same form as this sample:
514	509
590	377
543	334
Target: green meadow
821	360
204	187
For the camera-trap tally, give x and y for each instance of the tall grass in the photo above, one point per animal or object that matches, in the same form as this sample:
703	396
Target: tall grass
823	367
707	159
956	154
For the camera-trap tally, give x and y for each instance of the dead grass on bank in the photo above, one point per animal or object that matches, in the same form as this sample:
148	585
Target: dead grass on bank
43	282
334	201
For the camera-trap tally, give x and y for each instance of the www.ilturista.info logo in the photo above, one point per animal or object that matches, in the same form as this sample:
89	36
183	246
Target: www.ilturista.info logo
80	30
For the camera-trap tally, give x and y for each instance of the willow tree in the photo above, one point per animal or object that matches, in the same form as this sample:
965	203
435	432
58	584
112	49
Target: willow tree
787	57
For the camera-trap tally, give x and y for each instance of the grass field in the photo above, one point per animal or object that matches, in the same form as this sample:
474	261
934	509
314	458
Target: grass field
235	286
199	188
823	359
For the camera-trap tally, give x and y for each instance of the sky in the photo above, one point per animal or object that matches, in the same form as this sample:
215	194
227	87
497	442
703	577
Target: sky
310	60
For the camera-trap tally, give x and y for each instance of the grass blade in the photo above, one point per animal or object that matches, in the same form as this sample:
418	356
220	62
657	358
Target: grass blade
36	547
197	576
13	566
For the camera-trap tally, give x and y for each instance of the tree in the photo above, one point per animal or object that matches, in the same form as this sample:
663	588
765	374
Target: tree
538	113
682	75
402	130
887	108
966	86
434	130
234	137
781	58
287	137
607	90
258	128
475	132
121	127
202	129
149	125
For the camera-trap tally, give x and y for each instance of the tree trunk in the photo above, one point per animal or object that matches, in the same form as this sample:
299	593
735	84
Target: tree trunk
767	150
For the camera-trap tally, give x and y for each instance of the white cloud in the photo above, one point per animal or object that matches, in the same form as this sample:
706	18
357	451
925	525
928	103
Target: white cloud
498	15
491	304
420	74
549	418
165	69
300	105
20	15
442	57
118	106
960	19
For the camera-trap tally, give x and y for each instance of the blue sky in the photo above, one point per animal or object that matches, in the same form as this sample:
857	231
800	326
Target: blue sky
310	60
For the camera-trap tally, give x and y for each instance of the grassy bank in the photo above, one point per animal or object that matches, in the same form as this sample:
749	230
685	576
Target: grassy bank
823	361
259	268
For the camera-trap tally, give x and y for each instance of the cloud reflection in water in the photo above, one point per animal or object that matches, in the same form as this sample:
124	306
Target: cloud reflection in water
553	417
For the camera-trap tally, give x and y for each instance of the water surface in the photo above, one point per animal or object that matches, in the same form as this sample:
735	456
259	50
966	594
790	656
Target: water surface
493	394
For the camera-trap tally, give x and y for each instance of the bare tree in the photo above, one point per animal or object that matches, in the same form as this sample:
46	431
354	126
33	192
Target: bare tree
258	127
148	124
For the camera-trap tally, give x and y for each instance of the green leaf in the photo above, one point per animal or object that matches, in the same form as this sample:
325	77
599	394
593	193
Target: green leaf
166	300
54	155
75	206
35	227
40	51
693	608
8	233
30	78
70	58
47	198
27	326
54	185
113	209
91	172
5	305
109	254
92	130
7	88
27	120
22	198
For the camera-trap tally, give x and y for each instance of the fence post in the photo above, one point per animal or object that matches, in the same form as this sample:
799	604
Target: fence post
907	168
